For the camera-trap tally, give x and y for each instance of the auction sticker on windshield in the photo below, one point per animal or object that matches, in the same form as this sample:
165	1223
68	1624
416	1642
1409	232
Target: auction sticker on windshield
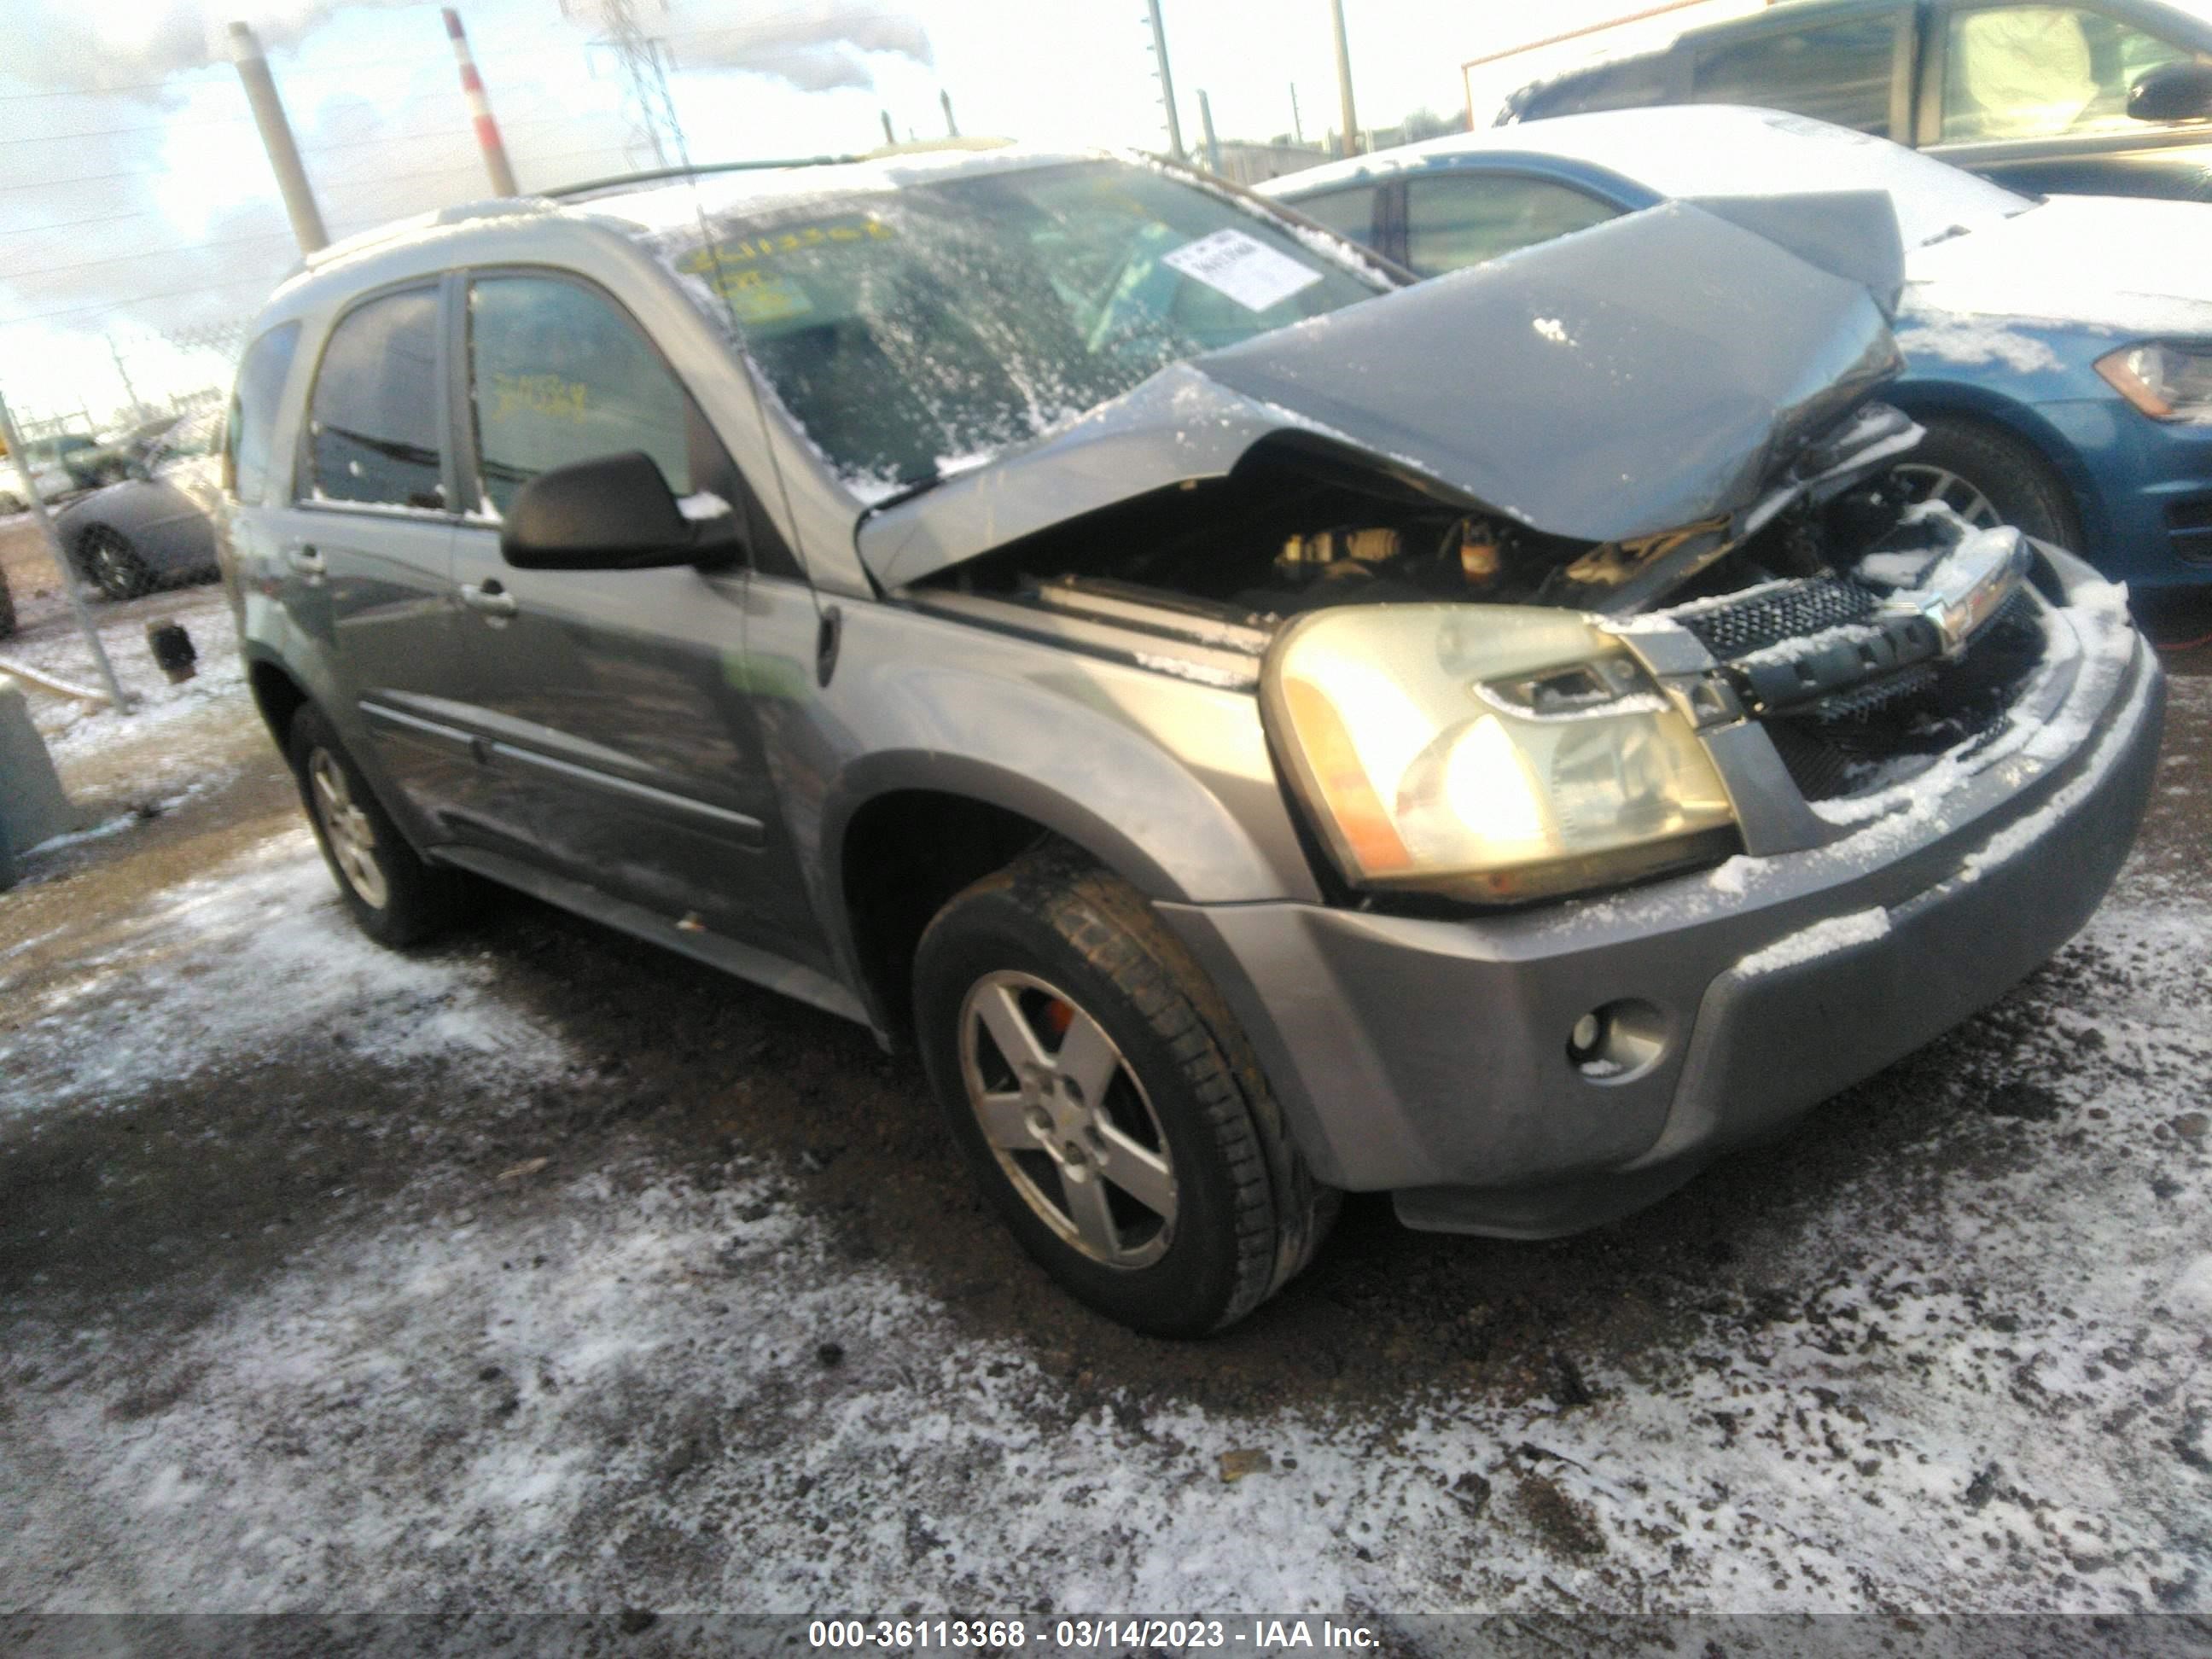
1243	267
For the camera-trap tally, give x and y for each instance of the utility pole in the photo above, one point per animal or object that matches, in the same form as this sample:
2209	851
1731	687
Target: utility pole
137	409
1351	117
277	138
1167	81
1212	143
1298	126
652	111
14	439
472	89
952	126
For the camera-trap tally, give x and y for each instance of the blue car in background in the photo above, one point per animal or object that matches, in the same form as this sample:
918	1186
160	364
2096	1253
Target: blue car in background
2058	352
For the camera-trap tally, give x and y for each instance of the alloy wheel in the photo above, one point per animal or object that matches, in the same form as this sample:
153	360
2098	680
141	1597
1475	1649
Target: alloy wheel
1071	1126
1936	484
346	827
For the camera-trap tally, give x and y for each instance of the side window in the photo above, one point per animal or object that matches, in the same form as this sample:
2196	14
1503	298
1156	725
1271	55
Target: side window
557	374
253	424
1840	73
2035	71
1632	83
373	423
1459	218
1349	213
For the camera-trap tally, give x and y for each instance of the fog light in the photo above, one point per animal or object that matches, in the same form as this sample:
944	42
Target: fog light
1617	1042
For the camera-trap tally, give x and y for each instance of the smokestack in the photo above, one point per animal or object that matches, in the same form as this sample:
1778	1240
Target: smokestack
276	139
1352	144
890	137
952	126
488	139
1206	123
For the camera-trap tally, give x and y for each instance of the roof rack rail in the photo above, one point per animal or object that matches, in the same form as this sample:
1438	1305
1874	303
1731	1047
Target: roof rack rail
652	175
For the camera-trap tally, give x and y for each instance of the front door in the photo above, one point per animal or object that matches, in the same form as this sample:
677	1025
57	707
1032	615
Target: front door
616	702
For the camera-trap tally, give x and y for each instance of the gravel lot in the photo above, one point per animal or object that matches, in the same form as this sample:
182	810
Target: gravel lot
541	1271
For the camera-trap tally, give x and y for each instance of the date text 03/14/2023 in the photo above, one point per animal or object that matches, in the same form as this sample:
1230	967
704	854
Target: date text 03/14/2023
1252	1634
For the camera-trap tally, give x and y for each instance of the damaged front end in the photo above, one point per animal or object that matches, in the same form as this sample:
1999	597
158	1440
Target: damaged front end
1646	597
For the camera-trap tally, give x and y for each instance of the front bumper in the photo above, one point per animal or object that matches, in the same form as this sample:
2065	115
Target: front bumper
1431	1058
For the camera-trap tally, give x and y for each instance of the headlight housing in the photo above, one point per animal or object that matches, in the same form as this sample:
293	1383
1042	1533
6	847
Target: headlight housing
2167	382
1489	752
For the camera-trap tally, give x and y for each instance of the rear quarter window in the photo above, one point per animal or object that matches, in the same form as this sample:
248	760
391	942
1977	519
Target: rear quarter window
1841	73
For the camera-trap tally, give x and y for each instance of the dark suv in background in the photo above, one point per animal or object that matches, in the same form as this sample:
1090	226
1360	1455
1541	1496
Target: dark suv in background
2112	98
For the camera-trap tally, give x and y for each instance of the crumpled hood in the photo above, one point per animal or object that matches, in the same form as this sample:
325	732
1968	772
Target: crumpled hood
1649	372
2114	263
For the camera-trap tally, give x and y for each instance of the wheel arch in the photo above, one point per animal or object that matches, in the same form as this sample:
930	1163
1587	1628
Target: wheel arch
1963	403
916	829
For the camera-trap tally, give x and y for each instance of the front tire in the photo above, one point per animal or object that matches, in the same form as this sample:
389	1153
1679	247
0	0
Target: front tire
106	558
1106	1102
1990	478
394	896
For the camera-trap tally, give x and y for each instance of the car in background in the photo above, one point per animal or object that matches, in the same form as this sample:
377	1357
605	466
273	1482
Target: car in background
2110	97
2058	353
63	465
153	529
1258	724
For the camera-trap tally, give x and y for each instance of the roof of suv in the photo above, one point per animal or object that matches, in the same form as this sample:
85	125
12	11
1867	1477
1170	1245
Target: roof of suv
665	199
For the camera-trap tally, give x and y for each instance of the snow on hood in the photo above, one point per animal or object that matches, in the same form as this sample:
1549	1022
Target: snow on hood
2135	267
1646	374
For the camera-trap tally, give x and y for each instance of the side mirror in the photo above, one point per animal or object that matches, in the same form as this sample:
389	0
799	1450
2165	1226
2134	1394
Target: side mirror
613	514
2172	92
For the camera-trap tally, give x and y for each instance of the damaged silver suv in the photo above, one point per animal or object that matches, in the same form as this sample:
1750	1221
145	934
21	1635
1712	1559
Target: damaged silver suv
1261	728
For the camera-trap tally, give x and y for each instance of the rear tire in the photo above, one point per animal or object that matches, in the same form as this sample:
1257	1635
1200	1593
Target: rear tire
395	896
1107	1102
1991	477
106	558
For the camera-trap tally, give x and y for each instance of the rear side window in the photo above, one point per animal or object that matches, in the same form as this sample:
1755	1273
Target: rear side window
372	424
1841	73
252	428
1631	83
1349	213
557	373
1459	218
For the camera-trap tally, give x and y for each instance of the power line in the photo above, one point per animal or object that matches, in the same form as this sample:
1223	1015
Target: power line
135	299
141	256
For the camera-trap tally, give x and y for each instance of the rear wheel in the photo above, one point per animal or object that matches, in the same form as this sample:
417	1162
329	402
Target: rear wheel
396	897
106	558
1988	479
1107	1102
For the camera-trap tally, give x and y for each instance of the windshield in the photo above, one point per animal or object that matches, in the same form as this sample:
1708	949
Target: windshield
1709	152
912	331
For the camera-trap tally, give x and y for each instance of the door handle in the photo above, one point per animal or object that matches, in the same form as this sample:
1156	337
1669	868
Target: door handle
307	561
490	599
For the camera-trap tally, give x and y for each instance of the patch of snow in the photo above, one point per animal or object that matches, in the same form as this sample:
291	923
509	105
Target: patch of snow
1822	938
1184	668
701	506
1973	341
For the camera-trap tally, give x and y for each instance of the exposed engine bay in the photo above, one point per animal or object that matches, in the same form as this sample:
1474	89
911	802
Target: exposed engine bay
1814	602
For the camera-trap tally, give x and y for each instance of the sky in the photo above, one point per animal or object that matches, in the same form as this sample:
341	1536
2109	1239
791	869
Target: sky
138	210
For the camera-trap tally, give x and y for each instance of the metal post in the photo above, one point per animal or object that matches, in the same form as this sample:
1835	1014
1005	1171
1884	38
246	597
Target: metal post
277	138
37	500
1344	81
472	88
952	126
137	409
1167	81
1205	123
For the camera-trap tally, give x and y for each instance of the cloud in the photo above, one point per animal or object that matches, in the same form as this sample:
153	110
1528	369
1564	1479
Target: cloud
820	47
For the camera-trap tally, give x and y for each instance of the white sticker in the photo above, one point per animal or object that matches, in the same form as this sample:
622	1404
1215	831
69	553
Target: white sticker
1243	267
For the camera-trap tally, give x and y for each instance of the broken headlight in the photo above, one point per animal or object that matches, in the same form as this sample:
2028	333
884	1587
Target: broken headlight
2167	382
1490	752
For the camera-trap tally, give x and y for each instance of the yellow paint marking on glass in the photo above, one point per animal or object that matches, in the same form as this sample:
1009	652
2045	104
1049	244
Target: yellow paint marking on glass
549	395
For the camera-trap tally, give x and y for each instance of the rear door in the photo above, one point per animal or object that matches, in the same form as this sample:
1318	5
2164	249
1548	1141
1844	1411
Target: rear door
618	703
1852	65
364	550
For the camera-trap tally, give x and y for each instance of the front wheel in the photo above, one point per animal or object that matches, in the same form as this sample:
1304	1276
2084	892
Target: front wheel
1990	478
107	560
1106	1102
393	895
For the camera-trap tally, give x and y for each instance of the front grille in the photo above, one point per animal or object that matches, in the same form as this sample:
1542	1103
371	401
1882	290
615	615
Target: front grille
1737	626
